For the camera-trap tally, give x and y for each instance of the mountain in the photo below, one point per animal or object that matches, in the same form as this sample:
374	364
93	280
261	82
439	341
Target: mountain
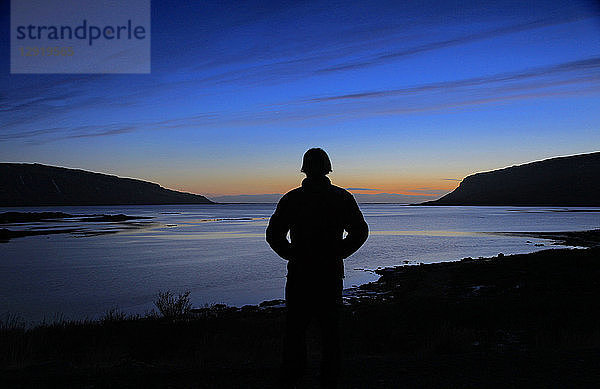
23	184
562	181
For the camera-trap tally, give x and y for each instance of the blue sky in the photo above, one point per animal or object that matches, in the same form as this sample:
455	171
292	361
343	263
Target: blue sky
407	97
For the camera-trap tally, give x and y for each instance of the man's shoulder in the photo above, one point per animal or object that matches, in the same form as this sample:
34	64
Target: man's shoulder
297	194
291	195
342	192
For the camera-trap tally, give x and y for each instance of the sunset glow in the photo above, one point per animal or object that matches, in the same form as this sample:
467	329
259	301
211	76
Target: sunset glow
407	98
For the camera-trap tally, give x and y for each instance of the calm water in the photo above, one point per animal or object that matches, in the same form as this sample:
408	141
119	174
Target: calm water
218	252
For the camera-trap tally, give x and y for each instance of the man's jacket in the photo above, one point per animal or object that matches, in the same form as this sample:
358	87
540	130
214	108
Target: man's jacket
316	216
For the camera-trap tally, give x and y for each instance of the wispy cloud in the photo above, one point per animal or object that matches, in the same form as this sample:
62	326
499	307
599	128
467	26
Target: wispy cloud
26	111
60	133
337	51
242	198
392	198
362	189
101	132
590	64
317	110
594	89
431	192
378	59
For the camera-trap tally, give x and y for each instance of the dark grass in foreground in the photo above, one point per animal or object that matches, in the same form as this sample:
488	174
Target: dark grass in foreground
509	321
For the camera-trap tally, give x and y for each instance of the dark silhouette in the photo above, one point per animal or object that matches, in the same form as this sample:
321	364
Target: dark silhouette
26	184
563	181
316	216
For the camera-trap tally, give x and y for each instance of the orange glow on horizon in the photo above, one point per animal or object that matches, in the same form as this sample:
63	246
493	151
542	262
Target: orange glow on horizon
248	186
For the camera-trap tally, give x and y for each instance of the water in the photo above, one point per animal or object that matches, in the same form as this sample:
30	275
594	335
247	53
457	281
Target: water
218	252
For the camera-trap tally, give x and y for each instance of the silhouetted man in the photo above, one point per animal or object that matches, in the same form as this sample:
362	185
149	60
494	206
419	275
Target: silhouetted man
316	216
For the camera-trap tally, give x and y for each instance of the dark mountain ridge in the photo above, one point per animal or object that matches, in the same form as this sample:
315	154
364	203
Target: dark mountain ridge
561	181
25	184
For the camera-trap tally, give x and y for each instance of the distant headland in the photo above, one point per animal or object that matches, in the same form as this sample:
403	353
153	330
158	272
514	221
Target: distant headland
25	184
562	181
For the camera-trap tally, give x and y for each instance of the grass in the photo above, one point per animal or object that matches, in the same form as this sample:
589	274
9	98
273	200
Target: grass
173	307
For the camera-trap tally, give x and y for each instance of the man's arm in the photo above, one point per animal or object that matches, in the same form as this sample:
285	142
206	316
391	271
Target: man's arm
279	225
356	227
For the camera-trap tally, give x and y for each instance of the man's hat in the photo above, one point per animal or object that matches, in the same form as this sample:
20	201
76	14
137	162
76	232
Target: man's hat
316	162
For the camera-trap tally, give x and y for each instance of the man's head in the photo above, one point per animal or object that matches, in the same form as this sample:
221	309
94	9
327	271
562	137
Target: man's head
316	163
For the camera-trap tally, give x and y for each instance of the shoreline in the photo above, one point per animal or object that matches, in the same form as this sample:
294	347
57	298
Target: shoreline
572	239
508	320
379	289
17	218
587	238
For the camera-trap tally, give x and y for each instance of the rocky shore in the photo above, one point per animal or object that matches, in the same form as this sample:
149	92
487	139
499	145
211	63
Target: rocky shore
508	321
8	219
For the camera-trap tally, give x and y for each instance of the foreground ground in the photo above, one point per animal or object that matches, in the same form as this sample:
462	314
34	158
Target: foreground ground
509	321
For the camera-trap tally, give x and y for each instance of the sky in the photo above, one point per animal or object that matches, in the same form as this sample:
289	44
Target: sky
406	97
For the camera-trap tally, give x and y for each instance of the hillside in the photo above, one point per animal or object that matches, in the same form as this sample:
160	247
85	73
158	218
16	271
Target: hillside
562	181
24	184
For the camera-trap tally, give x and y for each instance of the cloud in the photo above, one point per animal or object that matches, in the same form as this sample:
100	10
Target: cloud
361	189
494	89
27	108
592	64
431	192
397	198
27	103
115	131
257	198
275	58
577	78
61	133
378	59
491	100
452	179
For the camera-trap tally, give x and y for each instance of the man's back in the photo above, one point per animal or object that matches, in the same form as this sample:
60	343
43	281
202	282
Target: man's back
316	216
